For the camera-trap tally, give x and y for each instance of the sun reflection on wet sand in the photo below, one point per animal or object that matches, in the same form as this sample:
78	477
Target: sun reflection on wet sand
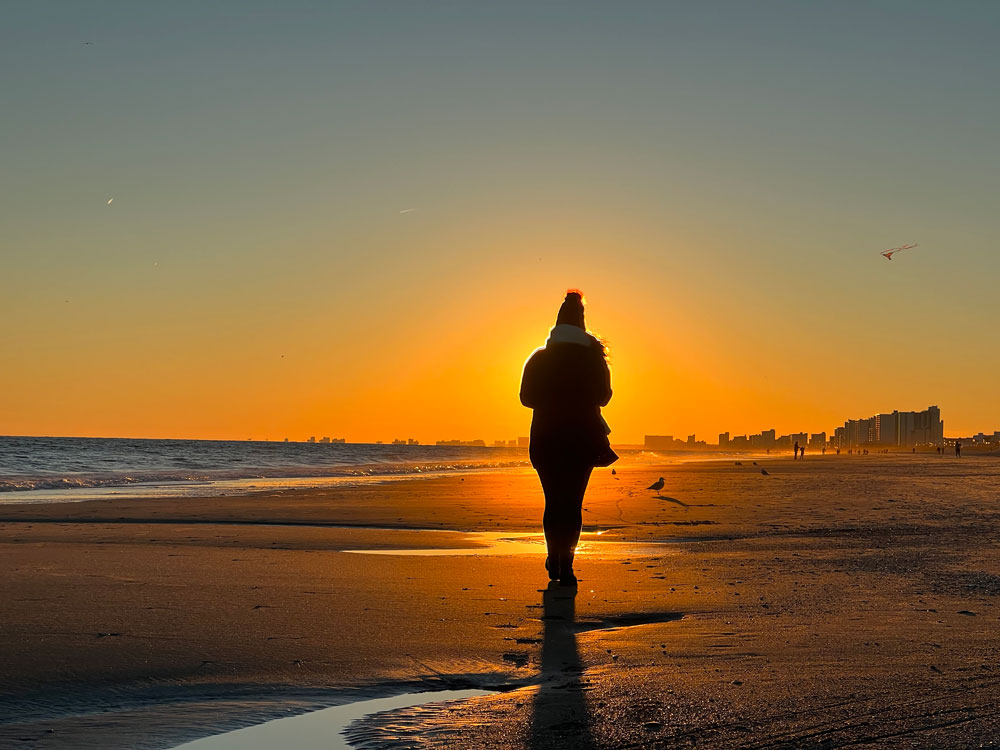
513	543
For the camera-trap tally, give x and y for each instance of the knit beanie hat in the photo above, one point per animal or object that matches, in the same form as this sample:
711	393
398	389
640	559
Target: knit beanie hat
571	310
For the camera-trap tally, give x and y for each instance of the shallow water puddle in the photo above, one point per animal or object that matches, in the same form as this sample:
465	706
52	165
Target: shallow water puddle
499	543
319	729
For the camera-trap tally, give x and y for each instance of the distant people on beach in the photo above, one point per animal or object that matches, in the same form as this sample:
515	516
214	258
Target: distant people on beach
958	449
796	448
566	383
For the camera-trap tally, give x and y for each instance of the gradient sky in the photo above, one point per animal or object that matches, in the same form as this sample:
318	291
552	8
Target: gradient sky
718	178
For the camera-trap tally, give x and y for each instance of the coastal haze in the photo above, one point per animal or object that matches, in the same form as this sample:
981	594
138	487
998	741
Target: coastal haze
270	277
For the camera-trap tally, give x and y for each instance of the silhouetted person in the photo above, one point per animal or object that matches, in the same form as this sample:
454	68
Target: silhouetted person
796	450
566	383
958	449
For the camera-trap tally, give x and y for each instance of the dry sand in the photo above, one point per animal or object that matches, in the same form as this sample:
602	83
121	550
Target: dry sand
840	601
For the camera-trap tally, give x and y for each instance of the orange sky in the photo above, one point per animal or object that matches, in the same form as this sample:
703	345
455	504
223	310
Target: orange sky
417	351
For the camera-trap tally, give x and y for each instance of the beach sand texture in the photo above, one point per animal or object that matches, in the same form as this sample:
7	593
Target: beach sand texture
840	601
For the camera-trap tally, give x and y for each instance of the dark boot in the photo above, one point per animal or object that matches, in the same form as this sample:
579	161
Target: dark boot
566	576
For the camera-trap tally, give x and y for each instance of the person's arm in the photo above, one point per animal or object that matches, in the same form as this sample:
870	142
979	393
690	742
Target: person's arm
529	382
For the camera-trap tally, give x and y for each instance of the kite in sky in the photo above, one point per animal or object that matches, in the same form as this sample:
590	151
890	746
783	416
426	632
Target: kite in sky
888	253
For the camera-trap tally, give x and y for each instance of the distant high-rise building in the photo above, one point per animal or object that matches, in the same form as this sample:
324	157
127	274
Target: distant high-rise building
935	425
723	439
887	429
522	442
899	428
658	442
691	440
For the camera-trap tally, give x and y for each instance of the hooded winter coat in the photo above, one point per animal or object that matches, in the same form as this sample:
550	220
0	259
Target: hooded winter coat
566	385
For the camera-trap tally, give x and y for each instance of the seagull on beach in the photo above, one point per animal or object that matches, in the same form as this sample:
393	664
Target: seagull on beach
657	485
765	472
888	253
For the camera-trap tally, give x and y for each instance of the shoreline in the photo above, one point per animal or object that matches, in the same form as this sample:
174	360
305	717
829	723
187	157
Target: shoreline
344	479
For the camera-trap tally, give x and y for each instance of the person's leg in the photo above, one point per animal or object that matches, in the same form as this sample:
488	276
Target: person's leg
564	488
576	486
552	487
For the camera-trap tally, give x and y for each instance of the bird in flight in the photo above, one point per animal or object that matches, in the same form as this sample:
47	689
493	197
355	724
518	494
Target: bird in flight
109	201
657	485
888	253
407	210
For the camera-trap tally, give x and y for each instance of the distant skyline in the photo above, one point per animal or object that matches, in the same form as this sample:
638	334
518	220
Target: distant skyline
489	440
251	219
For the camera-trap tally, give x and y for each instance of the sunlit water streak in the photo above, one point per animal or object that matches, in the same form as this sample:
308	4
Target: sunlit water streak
319	730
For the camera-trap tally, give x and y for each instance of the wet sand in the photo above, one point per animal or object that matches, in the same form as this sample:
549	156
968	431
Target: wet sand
839	601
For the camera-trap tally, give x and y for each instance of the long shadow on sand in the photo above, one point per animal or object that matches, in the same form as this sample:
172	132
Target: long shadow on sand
559	716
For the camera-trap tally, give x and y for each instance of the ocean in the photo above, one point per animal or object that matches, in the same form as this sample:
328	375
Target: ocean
50	469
